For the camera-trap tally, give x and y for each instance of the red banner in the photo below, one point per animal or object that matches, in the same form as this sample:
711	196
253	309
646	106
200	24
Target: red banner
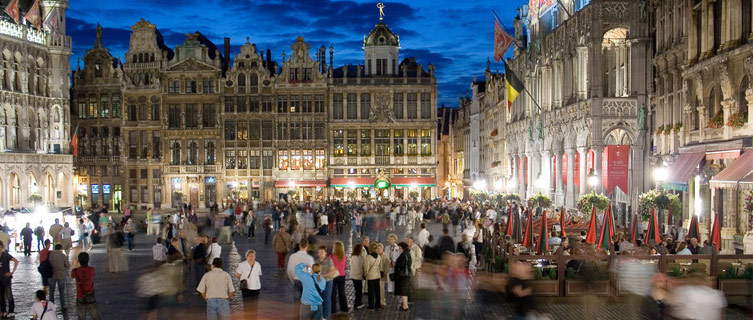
576	169
525	170
564	171
554	173
589	161
614	166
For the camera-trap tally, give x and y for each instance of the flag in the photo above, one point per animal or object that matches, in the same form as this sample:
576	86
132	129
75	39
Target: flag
693	228
516	237
543	245
634	232
502	41
591	233
509	221
34	16
13	11
653	229
562	221
607	229
528	235
514	86
74	142
716	234
53	22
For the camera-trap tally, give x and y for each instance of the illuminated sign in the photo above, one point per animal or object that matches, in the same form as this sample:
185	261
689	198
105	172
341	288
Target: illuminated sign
106	188
95	188
210	180
382	183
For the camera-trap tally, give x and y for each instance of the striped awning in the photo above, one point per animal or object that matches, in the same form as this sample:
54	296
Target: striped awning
685	166
411	181
739	170
351	182
300	183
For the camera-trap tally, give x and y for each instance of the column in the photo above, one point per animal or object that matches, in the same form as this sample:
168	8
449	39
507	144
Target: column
546	172
702	121
582	174
559	194
598	149
582	71
749	100
570	199
728	107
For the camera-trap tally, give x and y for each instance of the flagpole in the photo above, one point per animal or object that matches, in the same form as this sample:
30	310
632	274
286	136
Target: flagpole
517	46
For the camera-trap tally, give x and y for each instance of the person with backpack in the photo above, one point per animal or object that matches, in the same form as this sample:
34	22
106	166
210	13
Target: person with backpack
60	265
43	309
45	269
86	303
313	283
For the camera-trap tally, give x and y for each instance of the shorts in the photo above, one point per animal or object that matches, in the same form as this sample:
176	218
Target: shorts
67	244
45	281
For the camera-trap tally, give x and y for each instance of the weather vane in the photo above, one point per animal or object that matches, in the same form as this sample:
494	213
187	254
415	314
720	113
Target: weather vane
381	10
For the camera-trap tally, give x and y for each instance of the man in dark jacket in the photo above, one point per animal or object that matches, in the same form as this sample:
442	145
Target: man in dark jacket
445	243
199	259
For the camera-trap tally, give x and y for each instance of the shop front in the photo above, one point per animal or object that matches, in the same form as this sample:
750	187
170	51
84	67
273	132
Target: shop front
352	189
301	190
728	191
413	188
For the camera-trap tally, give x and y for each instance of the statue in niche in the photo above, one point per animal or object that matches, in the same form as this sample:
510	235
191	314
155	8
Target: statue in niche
643	10
641	118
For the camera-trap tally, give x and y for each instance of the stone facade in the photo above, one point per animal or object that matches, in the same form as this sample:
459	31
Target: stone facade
34	113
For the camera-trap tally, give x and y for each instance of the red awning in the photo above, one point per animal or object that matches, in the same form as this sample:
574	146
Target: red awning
719	155
346	182
409	181
738	170
300	183
747	182
684	167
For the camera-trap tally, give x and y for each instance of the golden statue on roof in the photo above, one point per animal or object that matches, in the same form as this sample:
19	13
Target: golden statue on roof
381	10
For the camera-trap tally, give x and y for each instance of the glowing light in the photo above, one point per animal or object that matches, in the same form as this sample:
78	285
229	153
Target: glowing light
511	185
351	185
698	201
660	173
499	185
480	185
593	180
414	185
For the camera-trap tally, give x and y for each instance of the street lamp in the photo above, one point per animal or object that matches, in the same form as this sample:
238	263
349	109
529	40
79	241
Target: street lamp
660	174
593	179
499	185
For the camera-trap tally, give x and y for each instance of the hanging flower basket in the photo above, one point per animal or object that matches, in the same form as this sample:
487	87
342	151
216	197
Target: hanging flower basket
716	122
659	130
512	197
678	126
659	200
539	200
586	203
737	120
35	198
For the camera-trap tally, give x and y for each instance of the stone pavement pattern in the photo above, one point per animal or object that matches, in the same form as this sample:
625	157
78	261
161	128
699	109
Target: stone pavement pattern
116	299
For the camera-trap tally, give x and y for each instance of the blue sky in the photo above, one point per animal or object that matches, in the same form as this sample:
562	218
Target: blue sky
455	36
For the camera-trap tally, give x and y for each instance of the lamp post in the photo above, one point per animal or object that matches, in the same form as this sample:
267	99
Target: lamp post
660	175
593	179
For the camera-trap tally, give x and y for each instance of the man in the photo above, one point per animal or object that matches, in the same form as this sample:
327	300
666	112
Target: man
6	292
693	247
445	219
89	228
150	230
707	248
39	233
416	256
365	243
281	244
295	259
214	250
159	253
45	272
554	240
423	236
130	232
60	266
66	237
55	232
26	234
446	244
216	287
199	259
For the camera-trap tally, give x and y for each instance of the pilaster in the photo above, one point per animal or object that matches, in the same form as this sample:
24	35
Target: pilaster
728	106
570	197
583	152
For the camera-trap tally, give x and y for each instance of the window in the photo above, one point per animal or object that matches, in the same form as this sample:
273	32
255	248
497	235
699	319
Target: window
319	103
192	116
155	111
208	115
253	84
193	152
229	130
365	106
282	130
319	131
412	107
207	86
241	83
382	142
426	106
282	104
294	74
717	24
307	104
254	130
242	159
308	160
156	145
268	159
352	106
157	196
242	132
133	145
295	103
352	142
173	116
254	159
266	104
253	104
105	108
175	153
132	112
156	174
143	112
337	139
337	106
267	130
397	105
191	86
132	174
295	131
144	174
319	164
295	163
134	195
116	108
93	109
209	155
144	194
173	87
365	142
398	142
426	142
282	159
229	104
306	74
240	104
308	131
412	143
229	159
82	110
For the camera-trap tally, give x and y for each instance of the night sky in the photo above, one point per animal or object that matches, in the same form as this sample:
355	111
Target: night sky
455	36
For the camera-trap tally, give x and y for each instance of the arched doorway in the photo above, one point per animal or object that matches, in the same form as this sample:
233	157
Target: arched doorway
15	190
618	158
49	189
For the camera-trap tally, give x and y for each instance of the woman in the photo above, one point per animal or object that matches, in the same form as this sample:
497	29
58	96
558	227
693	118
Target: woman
357	274
249	271
372	265
385	273
312	282
338	285
85	300
43	309
115	258
402	275
83	235
329	272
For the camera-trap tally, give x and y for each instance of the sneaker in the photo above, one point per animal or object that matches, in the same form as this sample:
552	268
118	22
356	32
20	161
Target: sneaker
10	314
359	307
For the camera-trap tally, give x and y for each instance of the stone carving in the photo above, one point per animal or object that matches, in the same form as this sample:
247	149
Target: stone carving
724	82
614	10
381	110
619	107
749	66
641	119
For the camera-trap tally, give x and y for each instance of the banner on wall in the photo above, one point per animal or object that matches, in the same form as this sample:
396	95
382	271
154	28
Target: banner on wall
564	170
576	169
535	7
614	167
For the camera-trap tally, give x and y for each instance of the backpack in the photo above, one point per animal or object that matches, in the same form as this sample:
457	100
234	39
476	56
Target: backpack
45	268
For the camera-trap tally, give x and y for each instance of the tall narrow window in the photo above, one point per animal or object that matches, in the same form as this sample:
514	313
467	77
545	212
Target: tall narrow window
156	145
268	159
229	104
412	106
319	103
175	153
412	143
398	141
209	153
382	142
254	159
308	160
267	130
365	106
253	83
746	17
307	104
241	83
352	142
133	145
254	130
242	159
295	160
253	104
229	130
282	160
229	159
717	5
337	106
319	164
282	104
242	130
338	142
295	130
426	142
207	86
282	130
352	106
295	103
308	131
397	105
192	116
193	153
240	103
266	104
208	116
426	106
365	142
319	131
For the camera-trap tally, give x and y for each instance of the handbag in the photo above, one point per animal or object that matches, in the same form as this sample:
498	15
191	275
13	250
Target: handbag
244	284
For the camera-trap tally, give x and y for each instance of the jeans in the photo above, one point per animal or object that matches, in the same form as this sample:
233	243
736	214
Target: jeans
358	288
277	224
327	297
84	243
27	247
129	239
40	243
251	230
298	290
307	313
198	271
266	236
6	293
218	309
374	300
338	288
60	284
250	303
83	309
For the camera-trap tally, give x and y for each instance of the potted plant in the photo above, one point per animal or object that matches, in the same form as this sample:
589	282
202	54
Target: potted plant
659	200
539	200
735	283
678	126
480	196
737	120
35	198
586	203
716	122
545	282
659	130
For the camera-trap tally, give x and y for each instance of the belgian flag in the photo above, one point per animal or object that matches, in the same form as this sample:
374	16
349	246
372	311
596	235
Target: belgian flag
514	86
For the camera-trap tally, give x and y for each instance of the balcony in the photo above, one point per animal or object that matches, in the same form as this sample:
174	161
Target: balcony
382	160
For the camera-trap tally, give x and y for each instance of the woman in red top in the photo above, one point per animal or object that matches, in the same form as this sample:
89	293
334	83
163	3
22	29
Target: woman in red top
85	301
338	284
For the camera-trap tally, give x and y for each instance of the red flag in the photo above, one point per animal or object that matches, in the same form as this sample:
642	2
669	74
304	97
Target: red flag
716	234
634	227
502	41
74	142
34	16
562	221
12	10
591	234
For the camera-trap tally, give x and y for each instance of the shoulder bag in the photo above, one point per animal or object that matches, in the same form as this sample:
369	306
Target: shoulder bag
318	290
372	267
244	284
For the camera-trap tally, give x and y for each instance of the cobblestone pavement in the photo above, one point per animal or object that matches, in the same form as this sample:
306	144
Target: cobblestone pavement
116	299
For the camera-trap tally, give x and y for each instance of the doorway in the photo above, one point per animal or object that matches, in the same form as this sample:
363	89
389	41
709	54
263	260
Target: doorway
194	197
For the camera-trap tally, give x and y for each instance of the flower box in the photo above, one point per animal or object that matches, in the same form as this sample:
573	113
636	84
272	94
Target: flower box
580	287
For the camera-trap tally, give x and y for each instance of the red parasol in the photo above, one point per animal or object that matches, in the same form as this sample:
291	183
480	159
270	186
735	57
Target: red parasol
528	235
543	244
716	235
591	234
562	221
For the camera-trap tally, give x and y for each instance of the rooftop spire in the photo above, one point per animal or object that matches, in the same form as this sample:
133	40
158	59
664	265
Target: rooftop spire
98	42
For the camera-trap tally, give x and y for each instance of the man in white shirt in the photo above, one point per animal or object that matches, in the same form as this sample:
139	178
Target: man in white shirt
554	240
423	236
249	271
295	259
65	235
159	253
214	250
216	287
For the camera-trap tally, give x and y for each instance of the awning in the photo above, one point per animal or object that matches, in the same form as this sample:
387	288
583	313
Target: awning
747	182
738	170
411	181
351	182
719	155
682	169
300	183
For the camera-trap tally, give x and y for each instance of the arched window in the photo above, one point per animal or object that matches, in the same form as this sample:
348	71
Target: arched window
715	102
15	191
253	81
742	103
241	82
193	153
175	153
209	153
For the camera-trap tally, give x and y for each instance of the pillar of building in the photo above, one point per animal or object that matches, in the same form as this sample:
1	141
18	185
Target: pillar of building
583	151
728	107
546	173
570	196
559	194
